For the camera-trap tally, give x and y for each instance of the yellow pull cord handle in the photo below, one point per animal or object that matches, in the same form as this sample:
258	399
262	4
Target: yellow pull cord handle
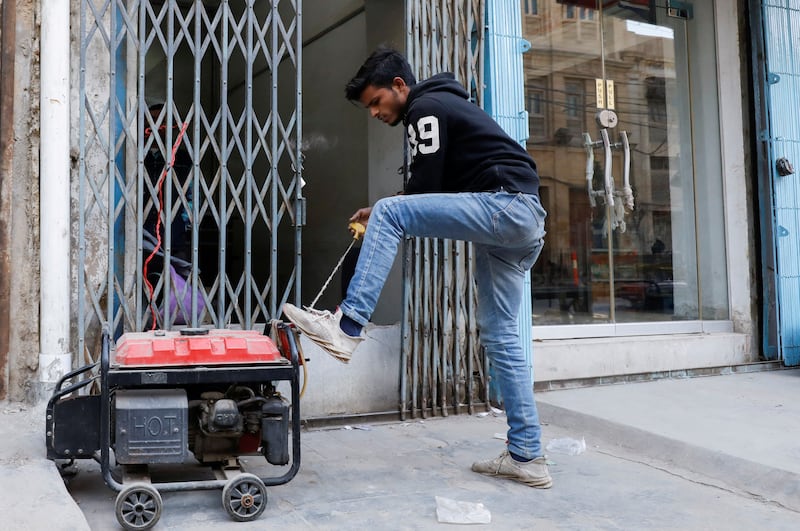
357	229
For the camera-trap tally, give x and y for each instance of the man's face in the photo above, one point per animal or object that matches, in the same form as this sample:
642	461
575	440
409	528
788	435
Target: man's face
386	104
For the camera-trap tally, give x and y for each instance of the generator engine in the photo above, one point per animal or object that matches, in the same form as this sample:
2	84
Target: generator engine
160	426
221	427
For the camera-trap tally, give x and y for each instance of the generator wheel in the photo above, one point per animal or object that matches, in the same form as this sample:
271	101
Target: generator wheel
244	497
138	506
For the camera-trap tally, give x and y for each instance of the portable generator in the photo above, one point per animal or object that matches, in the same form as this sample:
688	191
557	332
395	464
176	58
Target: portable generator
164	395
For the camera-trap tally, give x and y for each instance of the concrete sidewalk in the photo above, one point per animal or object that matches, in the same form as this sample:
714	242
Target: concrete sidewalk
388	476
741	431
33	494
719	452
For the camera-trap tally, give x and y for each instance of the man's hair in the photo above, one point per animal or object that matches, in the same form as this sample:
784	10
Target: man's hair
379	70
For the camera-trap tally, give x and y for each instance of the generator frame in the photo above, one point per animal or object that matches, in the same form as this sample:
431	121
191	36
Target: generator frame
79	426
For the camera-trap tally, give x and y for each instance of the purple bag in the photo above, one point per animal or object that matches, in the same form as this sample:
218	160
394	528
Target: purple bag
182	290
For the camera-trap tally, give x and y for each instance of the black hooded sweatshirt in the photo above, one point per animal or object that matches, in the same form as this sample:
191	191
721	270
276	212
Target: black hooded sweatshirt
457	147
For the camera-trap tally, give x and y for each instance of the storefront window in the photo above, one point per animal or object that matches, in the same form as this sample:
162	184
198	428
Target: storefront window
614	129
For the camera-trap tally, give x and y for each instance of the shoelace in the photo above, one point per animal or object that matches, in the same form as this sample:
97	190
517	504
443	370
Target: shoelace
318	313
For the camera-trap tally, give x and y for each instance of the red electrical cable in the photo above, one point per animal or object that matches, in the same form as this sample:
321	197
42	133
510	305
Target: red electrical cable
160	187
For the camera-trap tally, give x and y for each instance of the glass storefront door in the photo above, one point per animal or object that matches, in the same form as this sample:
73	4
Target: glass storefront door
607	87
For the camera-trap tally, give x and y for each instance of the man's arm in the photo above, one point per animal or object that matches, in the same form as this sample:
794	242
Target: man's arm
427	140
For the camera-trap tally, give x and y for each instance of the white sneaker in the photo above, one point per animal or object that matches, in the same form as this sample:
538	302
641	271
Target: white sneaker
533	473
322	327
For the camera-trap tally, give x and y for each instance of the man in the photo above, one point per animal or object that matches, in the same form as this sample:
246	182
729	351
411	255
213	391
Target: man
469	181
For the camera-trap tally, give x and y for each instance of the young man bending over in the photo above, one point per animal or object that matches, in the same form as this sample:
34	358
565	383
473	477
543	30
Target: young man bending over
469	181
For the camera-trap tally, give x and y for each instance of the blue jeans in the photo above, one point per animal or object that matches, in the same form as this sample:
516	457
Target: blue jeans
507	231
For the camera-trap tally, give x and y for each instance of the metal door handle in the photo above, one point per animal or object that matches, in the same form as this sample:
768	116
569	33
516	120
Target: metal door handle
627	193
609	180
589	145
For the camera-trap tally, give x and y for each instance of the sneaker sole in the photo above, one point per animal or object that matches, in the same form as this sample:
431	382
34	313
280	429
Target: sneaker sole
537	484
329	348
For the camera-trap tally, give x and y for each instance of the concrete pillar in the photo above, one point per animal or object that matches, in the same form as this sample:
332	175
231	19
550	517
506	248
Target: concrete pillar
54	197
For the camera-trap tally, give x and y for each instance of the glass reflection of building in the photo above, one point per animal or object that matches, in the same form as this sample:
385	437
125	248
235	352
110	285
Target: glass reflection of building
645	269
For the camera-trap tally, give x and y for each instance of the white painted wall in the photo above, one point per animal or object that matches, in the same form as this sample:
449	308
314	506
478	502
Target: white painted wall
368	384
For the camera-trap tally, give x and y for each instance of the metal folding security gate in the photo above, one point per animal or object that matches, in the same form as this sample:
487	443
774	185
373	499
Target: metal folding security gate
190	120
443	367
778	81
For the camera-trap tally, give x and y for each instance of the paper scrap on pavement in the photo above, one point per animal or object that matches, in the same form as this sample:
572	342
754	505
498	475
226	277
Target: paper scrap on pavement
459	512
566	445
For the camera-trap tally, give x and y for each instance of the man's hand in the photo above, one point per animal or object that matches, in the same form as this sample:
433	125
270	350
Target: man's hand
362	215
